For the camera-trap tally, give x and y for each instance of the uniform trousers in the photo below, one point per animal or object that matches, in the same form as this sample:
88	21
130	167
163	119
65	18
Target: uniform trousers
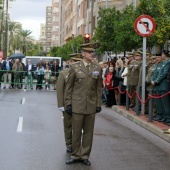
159	106
7	76
82	141
67	129
132	89
165	101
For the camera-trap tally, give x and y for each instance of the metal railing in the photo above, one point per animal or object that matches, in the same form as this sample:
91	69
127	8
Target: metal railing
27	79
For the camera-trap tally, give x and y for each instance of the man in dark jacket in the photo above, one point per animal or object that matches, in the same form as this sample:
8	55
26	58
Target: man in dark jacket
29	68
1	73
7	67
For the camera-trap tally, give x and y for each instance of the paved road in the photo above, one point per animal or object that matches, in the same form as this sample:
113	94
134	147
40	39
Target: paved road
118	144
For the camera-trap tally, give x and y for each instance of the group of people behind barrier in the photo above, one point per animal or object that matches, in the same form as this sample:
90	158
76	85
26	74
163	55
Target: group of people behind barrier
128	71
17	75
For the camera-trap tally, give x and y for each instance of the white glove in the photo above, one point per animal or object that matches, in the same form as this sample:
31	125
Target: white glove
61	109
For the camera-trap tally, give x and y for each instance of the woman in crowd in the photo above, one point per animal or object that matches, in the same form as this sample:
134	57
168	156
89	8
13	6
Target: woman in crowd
47	74
124	84
119	68
108	85
55	72
47	63
12	74
40	74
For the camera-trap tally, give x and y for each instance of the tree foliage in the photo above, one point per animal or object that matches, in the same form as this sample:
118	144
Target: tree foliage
115	31
105	31
72	46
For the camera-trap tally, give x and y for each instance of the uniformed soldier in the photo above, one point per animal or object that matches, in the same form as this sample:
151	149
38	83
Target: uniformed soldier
150	72
158	102
148	64
135	73
161	81
61	86
130	58
148	81
83	99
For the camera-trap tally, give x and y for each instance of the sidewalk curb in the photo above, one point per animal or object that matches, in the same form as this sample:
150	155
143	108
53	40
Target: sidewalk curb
142	123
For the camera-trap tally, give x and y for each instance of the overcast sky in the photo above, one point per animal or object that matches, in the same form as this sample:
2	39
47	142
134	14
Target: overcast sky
30	13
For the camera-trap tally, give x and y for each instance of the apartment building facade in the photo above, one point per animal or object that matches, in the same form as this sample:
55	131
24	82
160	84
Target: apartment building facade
48	27
81	16
42	39
55	23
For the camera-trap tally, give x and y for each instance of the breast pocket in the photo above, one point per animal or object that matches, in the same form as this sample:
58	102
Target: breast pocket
80	77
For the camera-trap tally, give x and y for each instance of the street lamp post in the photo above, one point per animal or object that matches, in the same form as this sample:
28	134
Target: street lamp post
6	33
2	21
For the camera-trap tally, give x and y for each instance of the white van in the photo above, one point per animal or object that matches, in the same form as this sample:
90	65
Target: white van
35	60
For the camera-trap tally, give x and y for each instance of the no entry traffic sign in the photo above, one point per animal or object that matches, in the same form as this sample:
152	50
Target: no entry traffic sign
144	25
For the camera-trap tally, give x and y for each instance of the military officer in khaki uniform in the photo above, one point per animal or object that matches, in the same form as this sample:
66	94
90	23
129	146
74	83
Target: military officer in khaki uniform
148	63
148	81
61	85
135	73
149	73
83	99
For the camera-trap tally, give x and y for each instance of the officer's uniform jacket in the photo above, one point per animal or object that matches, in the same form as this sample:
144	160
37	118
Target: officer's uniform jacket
148	76
148	64
61	85
155	74
130	66
83	90
135	72
161	80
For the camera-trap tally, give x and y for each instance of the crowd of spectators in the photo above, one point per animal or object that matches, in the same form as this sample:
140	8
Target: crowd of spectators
128	71
14	74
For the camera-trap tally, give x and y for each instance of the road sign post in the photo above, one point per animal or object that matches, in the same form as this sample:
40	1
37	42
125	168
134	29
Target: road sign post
144	26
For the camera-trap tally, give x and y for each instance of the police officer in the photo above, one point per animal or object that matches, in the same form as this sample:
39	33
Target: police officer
83	99
158	102
168	79
161	81
61	86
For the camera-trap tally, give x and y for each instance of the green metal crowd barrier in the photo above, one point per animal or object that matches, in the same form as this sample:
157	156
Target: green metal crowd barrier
27	79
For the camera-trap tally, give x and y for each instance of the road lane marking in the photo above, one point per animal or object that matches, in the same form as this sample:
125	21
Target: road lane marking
23	100
20	124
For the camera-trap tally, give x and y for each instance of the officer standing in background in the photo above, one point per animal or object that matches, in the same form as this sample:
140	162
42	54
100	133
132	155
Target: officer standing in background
83	99
158	102
61	86
148	64
129	78
168	80
135	74
150	73
161	81
149	86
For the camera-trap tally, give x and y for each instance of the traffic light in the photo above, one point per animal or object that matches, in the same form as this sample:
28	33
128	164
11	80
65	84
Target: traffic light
87	38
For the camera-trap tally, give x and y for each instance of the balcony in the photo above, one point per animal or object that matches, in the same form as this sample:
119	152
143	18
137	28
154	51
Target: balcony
111	3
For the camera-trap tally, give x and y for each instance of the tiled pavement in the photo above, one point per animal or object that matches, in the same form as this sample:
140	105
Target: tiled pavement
155	127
